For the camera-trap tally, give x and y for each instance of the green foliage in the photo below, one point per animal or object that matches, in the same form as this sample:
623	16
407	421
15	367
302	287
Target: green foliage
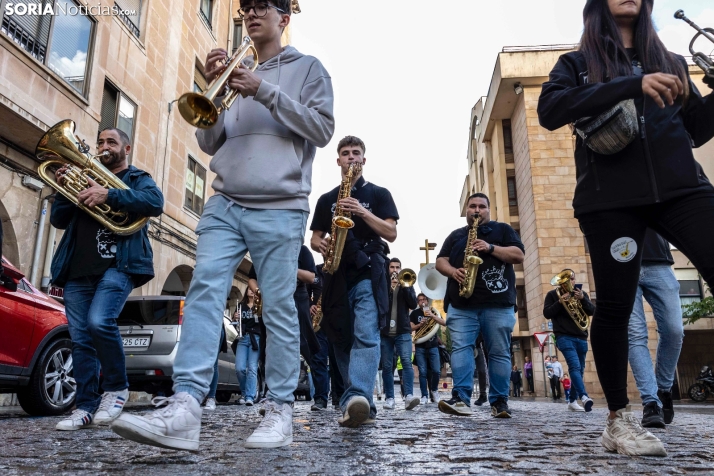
697	310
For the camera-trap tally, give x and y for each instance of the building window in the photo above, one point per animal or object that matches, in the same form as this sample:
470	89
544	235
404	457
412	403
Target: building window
237	34
117	111
199	80
206	11
130	14
512	198
522	309
690	286
507	141
61	42
482	176
195	186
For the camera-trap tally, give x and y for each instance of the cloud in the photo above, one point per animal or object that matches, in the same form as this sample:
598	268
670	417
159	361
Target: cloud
66	67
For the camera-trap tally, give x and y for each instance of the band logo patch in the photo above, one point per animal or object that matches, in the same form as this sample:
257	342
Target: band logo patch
623	249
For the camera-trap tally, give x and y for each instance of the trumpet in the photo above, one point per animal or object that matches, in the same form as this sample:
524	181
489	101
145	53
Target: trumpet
407	278
198	109
700	59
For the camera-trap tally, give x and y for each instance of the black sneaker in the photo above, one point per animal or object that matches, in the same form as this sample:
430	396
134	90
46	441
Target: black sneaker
481	400
667	406
455	406
319	405
499	409
652	416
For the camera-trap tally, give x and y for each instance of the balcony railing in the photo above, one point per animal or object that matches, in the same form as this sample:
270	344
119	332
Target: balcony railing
127	21
28	42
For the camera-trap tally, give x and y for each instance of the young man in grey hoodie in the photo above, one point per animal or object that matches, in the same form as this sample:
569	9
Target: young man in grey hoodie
263	149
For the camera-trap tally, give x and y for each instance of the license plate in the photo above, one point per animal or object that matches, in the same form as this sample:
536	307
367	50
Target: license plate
136	341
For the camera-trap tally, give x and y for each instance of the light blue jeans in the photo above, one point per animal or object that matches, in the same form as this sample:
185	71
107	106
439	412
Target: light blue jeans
226	232
247	367
574	350
403	345
359	366
464	325
660	287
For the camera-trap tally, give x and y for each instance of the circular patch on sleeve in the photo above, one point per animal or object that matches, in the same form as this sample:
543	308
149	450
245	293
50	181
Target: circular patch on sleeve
623	249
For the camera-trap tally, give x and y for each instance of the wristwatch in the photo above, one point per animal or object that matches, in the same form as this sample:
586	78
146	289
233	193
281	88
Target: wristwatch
490	250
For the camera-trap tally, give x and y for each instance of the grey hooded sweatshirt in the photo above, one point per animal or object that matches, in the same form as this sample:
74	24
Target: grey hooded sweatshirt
263	146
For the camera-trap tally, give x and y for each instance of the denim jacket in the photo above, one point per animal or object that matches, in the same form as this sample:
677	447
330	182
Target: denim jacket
134	255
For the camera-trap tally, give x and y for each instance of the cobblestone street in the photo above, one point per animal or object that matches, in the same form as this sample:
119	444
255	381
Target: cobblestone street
543	438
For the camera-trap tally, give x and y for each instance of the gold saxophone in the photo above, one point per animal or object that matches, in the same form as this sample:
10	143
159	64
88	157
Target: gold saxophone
341	222
471	261
317	318
573	305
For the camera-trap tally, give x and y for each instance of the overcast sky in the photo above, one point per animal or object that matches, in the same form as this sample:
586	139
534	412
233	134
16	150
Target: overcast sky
406	75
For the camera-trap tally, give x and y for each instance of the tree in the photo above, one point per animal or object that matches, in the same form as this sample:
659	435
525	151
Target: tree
696	310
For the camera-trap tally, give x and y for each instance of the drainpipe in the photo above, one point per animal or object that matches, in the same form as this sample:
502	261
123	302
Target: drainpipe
38	242
46	274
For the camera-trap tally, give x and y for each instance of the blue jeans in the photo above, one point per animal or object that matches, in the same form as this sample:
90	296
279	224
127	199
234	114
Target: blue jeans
214	382
402	343
359	366
320	374
247	367
427	360
574	350
92	305
226	232
660	287
464	325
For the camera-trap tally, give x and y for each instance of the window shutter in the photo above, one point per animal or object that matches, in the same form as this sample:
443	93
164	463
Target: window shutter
32	32
109	107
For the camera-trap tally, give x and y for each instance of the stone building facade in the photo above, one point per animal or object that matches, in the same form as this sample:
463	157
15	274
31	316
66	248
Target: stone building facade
110	68
529	175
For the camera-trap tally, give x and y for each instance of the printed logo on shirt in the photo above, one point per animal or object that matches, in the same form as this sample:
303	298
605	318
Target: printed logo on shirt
365	205
623	249
106	243
495	282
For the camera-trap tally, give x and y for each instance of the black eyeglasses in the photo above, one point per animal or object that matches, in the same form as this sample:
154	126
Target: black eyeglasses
261	9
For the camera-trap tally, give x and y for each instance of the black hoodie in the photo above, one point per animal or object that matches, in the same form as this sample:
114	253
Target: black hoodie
657	166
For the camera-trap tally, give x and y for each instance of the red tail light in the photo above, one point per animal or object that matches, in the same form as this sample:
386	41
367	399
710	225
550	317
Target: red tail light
181	312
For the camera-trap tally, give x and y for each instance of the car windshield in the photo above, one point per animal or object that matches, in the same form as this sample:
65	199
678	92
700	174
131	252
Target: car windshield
157	312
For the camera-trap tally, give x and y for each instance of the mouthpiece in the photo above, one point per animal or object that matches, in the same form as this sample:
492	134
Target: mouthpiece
679	15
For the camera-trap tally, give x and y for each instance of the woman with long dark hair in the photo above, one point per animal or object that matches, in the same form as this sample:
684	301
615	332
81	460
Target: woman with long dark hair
247	349
652	181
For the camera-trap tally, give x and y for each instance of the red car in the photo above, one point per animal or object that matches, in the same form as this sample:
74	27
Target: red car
35	347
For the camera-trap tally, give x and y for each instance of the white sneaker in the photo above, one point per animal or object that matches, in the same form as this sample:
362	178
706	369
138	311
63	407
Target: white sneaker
111	406
356	413
435	396
275	430
78	420
587	403
210	404
241	401
574	407
175	424
389	404
410	402
424	400
625	435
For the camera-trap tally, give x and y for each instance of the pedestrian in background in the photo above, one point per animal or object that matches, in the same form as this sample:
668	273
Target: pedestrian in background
528	370
516	380
566	386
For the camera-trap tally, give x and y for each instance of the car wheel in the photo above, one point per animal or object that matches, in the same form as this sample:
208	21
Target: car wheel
52	388
223	397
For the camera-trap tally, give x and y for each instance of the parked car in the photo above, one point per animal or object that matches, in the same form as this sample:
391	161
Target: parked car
150	327
35	347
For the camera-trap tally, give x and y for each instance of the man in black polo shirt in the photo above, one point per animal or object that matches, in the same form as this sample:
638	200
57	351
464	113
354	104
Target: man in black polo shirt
427	353
571	341
489	310
355	299
398	334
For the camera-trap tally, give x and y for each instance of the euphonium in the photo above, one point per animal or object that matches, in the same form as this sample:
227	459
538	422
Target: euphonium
198	108
59	147
427	331
471	261
700	59
572	305
341	222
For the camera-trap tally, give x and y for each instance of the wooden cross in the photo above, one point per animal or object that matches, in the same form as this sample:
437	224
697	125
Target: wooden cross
426	248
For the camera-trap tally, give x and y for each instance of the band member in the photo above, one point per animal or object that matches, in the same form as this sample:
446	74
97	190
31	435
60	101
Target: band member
660	287
489	310
397	335
264	148
571	341
355	298
652	182
98	269
426	353
247	348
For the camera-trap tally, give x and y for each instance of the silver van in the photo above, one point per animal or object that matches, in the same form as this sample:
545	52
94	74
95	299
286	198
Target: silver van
150	328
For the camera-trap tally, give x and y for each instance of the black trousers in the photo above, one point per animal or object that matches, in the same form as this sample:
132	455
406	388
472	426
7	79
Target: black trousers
555	387
615	240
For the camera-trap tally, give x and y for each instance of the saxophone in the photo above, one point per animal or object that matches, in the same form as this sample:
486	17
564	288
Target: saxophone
564	285
471	261
317	319
341	222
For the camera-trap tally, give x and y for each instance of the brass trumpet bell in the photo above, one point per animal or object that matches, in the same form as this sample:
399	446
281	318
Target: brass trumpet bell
406	277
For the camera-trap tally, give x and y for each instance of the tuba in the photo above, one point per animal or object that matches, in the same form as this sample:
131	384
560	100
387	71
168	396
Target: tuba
198	109
428	330
573	305
700	59
341	222
471	261
59	147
